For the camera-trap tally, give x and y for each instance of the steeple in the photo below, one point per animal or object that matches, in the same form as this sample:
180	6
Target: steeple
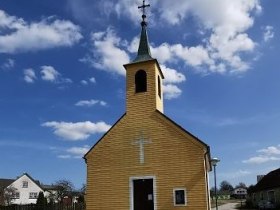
144	53
143	78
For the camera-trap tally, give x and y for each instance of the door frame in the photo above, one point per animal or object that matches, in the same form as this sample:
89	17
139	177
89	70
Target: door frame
131	190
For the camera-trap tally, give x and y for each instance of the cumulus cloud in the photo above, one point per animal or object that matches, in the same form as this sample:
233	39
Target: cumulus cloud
17	35
84	82
90	103
268	33
92	80
172	76
221	50
107	53
226	23
267	155
8	64
272	150
76	131
107	42
50	74
171	91
29	75
78	152
261	159
64	156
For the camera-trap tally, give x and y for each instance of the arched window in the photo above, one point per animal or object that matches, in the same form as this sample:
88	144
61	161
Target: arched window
140	81
159	87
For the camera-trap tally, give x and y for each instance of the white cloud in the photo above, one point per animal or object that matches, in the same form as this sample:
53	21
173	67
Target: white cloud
226	23
270	150
107	52
84	82
114	43
78	152
23	36
76	131
49	73
29	75
163	52
268	154
171	91
268	33
172	77
8	64
64	156
260	159
90	103
92	80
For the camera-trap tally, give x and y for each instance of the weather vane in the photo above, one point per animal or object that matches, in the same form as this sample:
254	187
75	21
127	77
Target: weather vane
144	11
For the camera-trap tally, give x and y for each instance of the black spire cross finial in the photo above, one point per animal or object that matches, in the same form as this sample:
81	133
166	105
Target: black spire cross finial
144	53
144	12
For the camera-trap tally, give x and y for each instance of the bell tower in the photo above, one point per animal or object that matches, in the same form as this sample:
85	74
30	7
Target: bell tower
143	77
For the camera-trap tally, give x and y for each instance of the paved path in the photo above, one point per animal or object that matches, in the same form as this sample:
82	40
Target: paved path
228	206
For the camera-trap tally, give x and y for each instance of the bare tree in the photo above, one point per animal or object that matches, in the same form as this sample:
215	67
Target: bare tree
64	188
226	186
241	185
9	194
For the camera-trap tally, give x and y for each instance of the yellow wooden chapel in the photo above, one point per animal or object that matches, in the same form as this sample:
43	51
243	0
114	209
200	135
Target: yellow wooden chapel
146	161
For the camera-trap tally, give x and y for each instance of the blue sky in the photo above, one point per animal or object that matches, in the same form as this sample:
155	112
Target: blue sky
62	83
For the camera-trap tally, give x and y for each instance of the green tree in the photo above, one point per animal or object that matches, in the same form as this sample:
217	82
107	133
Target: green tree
41	200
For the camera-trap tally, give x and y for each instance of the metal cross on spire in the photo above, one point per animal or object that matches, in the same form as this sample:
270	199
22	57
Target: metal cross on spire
144	11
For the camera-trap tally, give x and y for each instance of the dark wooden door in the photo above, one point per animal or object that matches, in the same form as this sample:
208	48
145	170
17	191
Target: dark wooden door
143	194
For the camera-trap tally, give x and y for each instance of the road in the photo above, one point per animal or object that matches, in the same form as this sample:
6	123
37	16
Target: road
228	206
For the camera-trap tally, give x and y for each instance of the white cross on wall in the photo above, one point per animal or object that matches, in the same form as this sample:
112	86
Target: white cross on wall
141	142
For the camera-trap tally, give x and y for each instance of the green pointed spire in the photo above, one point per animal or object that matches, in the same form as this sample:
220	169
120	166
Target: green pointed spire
144	52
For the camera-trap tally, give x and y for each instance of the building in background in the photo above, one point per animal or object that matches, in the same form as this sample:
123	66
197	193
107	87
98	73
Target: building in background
22	190
267	191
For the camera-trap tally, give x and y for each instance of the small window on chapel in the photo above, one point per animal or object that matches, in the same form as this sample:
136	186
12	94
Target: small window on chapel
159	87
180	198
140	81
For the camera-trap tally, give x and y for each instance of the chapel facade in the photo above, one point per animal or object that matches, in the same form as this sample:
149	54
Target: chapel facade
146	161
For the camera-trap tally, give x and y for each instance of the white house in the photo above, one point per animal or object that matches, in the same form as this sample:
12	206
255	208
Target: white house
25	190
240	192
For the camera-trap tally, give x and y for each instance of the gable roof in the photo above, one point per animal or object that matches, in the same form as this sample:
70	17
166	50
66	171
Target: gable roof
7	182
171	121
85	156
182	129
208	154
269	181
35	181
